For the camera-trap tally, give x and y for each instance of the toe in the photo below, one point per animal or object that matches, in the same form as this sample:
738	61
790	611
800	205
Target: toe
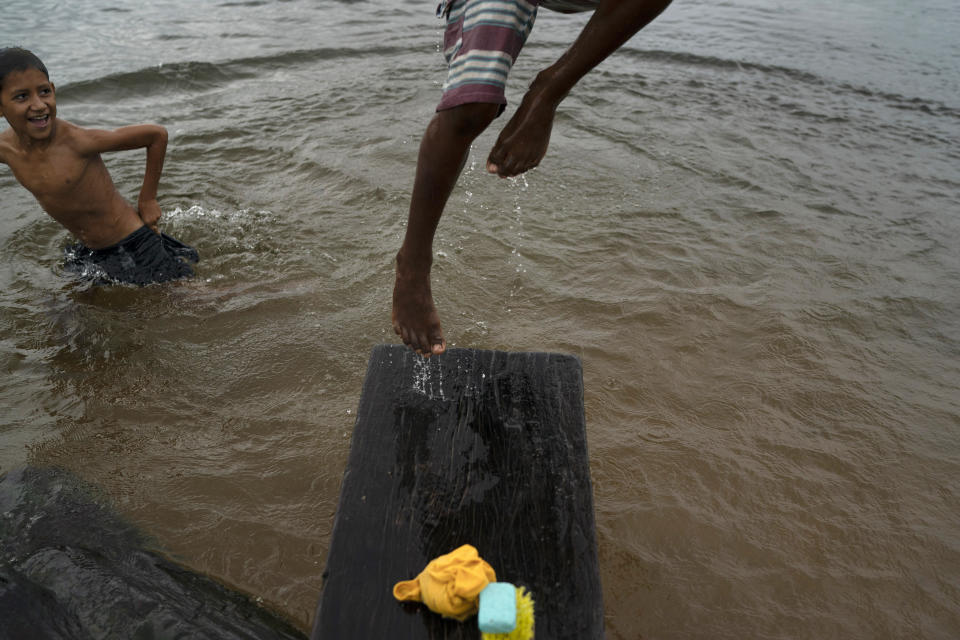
423	345
437	344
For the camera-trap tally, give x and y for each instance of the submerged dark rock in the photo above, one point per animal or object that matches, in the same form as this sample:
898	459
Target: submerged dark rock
72	568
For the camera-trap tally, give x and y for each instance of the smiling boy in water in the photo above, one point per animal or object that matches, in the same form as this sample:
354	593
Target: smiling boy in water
60	164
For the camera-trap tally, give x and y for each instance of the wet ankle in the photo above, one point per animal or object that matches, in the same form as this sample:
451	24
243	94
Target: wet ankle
413	267
547	88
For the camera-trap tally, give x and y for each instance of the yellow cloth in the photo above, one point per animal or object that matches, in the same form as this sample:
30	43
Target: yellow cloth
451	584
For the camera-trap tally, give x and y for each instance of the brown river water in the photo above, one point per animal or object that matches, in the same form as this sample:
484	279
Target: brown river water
746	227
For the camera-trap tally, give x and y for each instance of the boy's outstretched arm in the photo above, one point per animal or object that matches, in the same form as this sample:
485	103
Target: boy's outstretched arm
523	142
149	136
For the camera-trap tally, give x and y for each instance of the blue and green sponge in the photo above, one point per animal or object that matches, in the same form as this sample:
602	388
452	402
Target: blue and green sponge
506	612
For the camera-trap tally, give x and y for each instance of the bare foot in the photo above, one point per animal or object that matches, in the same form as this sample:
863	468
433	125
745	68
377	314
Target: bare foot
415	318
523	142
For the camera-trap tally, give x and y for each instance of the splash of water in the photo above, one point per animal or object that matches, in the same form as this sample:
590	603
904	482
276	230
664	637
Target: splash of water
425	381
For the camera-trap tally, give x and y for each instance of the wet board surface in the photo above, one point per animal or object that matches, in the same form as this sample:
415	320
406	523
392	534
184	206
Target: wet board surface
479	447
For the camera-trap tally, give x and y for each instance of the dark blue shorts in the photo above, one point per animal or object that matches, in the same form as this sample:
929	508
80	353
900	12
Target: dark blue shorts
141	258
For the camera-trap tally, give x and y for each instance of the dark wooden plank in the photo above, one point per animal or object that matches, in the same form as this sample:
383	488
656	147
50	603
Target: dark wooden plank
479	447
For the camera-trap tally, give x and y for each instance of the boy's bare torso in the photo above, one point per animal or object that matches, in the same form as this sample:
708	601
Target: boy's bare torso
73	187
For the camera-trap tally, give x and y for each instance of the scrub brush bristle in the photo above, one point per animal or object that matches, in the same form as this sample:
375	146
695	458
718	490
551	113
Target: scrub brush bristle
524	628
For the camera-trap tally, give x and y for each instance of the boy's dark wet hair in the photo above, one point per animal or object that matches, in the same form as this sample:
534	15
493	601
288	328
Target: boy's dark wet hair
17	59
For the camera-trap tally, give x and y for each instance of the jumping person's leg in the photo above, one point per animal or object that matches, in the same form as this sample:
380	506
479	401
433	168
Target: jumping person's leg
443	151
523	142
482	40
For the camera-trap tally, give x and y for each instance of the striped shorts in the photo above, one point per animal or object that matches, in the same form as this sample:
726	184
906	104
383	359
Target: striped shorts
481	42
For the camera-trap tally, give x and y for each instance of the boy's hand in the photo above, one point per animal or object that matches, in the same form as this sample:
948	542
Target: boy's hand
149	211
